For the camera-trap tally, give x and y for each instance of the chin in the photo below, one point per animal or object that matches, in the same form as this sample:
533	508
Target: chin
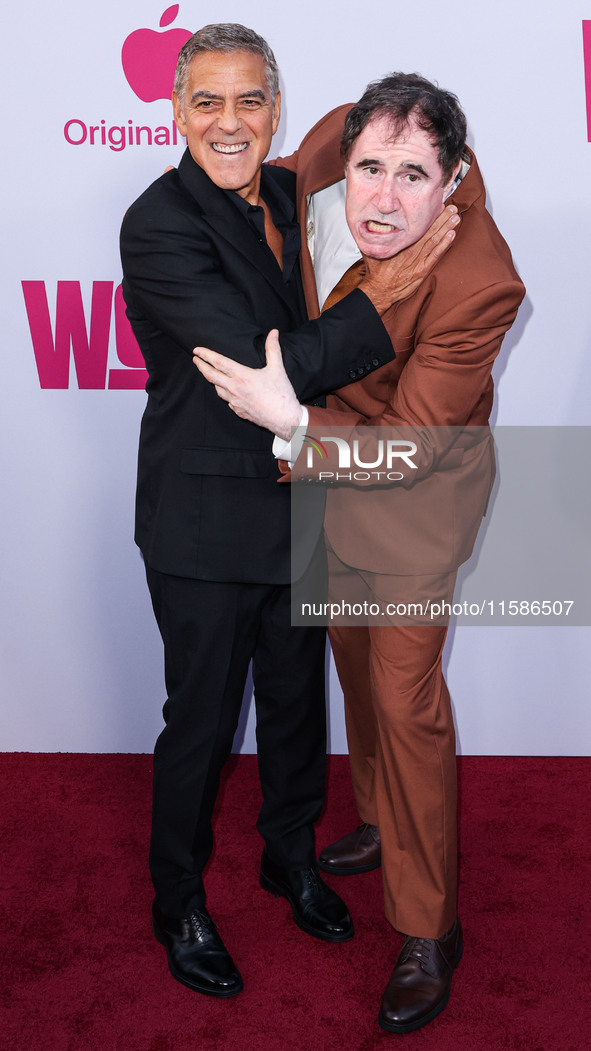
379	251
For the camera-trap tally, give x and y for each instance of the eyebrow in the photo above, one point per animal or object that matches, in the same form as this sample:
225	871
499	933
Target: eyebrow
257	93
418	168
369	162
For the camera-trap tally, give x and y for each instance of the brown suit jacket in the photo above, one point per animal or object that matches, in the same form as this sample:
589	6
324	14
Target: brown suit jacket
446	336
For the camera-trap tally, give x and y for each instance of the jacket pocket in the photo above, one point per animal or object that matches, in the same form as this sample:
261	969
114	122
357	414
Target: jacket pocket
232	463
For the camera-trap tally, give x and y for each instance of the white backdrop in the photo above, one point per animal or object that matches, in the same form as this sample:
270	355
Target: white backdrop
81	658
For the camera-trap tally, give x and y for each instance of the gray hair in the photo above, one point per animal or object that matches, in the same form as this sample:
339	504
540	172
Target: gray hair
225	36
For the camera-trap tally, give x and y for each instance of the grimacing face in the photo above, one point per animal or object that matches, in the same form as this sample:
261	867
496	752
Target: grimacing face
228	118
394	188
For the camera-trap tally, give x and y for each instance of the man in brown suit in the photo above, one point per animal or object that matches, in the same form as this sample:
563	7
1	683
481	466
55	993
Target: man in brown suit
405	156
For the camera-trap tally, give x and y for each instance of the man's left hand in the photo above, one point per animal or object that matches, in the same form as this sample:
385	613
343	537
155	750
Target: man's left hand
264	396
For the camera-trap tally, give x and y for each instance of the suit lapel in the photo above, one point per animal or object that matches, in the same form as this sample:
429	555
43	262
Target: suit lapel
226	222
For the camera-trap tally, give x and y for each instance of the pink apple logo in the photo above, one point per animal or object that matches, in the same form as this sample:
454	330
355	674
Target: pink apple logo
149	58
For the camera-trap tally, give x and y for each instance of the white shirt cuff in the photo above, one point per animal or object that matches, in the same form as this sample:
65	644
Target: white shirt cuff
290	451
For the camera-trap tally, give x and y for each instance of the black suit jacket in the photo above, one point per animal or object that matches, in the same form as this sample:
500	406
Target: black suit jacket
195	274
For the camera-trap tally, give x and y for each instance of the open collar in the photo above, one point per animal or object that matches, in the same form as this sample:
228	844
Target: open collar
223	217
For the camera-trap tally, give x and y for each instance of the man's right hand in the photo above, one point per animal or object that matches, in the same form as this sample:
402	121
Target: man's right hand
263	396
389	281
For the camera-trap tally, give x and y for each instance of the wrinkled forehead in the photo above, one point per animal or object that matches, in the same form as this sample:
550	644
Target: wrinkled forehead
385	135
226	71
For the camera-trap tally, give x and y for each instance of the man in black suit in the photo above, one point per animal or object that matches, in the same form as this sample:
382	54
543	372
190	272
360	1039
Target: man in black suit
210	256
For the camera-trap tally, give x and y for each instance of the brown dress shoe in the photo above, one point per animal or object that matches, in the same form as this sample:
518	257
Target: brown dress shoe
360	851
421	981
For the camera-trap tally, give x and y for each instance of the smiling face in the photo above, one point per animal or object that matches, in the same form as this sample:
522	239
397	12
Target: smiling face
394	188
228	118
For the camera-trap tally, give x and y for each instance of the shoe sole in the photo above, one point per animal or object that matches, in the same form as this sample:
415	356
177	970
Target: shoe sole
409	1027
342	870
206	990
280	892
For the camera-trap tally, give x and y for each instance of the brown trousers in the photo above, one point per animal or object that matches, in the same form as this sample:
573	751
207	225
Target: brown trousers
402	751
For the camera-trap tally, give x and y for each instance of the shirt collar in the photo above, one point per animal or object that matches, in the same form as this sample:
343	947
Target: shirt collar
281	206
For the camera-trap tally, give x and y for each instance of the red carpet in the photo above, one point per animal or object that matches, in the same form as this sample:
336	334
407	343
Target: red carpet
81	970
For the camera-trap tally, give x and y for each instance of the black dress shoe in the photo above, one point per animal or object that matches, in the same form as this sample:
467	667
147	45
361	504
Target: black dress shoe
421	981
197	956
316	908
359	851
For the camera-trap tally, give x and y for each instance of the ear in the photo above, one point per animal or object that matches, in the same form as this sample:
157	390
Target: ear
177	110
276	111
452	178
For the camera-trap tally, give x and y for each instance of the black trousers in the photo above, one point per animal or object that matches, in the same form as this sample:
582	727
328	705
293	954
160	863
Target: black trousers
211	631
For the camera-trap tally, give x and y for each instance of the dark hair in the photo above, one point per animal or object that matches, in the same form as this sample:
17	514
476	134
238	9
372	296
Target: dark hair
402	97
225	36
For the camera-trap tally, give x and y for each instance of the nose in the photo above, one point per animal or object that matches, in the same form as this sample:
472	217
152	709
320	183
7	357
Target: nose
387	197
228	119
